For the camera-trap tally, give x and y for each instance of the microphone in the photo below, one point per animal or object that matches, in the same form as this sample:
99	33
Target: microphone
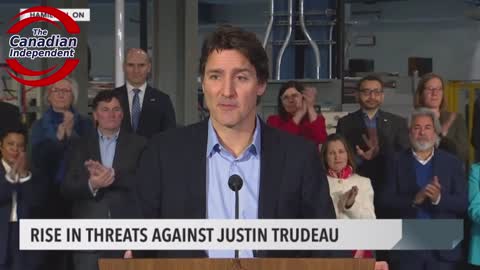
235	183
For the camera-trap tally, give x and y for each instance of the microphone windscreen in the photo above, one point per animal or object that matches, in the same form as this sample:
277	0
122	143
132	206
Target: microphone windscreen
235	182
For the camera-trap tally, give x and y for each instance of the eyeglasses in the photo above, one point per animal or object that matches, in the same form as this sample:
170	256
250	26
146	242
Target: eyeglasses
369	92
433	89
288	97
60	90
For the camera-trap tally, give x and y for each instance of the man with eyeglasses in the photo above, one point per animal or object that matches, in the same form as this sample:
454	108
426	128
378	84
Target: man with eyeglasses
372	133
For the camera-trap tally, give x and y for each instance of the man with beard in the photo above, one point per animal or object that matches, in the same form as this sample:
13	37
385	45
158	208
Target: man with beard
425	183
373	133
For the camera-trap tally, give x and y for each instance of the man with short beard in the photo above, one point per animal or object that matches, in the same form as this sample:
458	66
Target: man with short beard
372	133
425	183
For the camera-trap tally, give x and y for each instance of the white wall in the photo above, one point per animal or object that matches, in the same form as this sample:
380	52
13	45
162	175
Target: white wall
429	28
443	33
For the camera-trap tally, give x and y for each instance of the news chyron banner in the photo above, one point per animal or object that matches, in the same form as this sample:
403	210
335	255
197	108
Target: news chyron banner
262	234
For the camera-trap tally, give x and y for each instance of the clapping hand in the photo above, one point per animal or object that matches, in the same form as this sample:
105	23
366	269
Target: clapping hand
373	148
310	95
19	167
432	190
301	111
349	197
65	128
100	176
68	122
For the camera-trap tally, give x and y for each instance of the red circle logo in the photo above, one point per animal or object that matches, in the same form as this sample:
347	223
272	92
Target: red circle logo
68	66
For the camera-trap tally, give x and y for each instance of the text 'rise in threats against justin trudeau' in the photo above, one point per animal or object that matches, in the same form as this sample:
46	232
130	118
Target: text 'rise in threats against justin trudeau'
187	235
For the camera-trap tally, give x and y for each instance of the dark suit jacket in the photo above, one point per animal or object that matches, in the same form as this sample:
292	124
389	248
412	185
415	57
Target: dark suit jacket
457	136
30	196
115	201
157	112
392	135
10	116
476	129
401	186
173	180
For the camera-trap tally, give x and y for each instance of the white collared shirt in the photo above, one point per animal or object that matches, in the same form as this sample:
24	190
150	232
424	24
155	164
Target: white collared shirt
423	162
17	179
130	93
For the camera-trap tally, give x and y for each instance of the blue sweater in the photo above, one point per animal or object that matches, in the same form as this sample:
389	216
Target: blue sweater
424	174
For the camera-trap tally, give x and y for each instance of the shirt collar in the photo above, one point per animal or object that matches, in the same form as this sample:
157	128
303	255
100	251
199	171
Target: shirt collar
423	161
365	115
130	87
214	145
6	166
102	137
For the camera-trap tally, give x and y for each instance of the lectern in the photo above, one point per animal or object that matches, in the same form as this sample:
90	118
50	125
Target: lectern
237	264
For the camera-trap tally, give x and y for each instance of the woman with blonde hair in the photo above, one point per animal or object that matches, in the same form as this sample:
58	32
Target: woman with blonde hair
51	137
352	194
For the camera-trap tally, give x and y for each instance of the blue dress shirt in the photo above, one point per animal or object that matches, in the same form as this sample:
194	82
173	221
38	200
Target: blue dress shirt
107	148
221	164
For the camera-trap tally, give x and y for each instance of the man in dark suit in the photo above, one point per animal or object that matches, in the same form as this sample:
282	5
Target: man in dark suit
99	171
10	116
425	183
184	172
372	133
147	111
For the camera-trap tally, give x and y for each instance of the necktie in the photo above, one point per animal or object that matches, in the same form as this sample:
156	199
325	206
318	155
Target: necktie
135	109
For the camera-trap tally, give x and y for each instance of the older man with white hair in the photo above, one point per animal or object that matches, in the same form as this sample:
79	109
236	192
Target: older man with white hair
425	182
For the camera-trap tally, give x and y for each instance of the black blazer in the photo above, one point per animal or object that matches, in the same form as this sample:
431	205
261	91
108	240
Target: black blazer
173	181
115	201
475	140
10	116
401	186
30	198
157	113
392	135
